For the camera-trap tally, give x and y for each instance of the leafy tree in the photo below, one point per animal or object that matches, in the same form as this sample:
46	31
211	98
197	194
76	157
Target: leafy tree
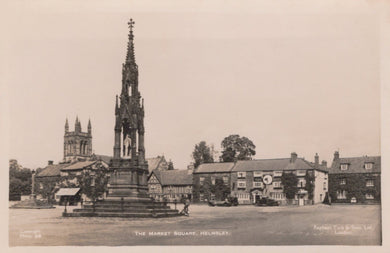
237	148
202	154
46	188
289	181
309	186
19	179
206	188
93	183
220	189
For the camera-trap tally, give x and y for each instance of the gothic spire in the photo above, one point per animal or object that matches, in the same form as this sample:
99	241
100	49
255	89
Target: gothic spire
130	57
89	126
77	125
66	125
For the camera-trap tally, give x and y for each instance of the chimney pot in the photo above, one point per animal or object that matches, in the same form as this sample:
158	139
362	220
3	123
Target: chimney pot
293	157
336	155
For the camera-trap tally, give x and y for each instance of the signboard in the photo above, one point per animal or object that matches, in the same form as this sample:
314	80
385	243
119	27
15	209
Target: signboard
267	179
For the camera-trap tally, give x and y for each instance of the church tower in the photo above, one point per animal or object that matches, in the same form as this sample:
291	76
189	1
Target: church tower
129	150
77	144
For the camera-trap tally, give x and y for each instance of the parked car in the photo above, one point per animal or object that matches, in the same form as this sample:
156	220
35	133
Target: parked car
230	201
266	202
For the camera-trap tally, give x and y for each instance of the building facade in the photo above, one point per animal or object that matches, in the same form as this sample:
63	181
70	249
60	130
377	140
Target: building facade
255	179
355	180
172	185
207	175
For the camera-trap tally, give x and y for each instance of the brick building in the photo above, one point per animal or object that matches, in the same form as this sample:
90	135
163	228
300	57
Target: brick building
355	179
254	179
206	174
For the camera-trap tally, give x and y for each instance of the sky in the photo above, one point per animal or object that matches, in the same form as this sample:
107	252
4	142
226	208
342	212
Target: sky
301	76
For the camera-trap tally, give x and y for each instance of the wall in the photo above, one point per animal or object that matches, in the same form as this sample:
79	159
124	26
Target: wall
320	191
355	187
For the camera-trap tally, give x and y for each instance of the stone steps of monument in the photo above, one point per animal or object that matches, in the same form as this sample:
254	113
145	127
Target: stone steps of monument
129	205
121	215
125	210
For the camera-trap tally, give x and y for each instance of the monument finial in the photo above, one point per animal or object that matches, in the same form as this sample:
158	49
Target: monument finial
131	24
130	46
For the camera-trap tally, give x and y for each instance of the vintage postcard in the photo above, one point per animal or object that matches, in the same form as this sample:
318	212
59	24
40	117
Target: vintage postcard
218	123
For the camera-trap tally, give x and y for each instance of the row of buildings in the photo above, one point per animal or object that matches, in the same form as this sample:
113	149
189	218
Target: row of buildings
347	180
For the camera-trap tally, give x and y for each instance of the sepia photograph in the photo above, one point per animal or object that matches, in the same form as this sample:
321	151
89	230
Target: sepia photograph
194	123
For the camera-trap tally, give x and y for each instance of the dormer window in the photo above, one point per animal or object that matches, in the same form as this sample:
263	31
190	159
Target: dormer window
368	166
344	166
241	175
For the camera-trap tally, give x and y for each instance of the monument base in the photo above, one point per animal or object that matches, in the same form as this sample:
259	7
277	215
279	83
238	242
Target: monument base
32	203
124	208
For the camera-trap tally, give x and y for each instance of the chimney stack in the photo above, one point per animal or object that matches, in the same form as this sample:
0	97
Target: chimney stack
293	157
316	159
324	163
336	156
50	162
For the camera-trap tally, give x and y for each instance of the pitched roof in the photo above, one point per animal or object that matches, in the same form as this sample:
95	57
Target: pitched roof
356	165
173	177
104	158
214	167
67	191
155	162
272	164
78	165
52	170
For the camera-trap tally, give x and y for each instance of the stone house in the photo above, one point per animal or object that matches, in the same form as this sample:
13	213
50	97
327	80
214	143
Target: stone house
206	174
170	184
355	179
254	179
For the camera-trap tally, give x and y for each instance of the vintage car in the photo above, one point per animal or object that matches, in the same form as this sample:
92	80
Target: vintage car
230	201
266	202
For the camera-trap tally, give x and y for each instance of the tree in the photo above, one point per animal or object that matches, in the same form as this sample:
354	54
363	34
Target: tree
202	154
93	183
19	179
290	182
237	148
309	186
220	189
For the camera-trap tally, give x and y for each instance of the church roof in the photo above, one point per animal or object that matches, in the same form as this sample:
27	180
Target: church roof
173	177
78	165
104	158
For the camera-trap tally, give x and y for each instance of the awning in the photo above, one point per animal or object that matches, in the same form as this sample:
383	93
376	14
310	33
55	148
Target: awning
67	191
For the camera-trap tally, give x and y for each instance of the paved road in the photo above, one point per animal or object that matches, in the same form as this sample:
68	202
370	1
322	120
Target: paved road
242	225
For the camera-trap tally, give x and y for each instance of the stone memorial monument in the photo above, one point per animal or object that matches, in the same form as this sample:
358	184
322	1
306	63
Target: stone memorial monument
128	186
